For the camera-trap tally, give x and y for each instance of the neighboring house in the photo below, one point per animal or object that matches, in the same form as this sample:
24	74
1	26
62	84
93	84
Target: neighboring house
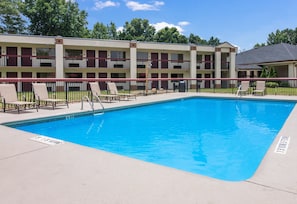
282	57
25	56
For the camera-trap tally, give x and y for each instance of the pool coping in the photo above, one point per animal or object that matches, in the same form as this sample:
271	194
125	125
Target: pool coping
25	163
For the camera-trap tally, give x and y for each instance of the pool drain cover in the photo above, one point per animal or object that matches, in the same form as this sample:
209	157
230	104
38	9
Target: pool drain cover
282	145
47	140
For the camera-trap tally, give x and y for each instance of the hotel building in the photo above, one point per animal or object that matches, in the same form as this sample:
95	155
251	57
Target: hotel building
25	56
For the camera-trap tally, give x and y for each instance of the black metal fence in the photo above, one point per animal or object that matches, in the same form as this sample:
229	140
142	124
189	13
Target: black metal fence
73	89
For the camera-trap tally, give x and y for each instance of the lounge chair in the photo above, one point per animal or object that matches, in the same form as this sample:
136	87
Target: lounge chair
9	97
41	95
96	92
114	91
243	89
260	88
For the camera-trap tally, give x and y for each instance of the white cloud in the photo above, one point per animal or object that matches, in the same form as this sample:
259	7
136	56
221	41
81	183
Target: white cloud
162	25
119	29
103	4
136	6
183	23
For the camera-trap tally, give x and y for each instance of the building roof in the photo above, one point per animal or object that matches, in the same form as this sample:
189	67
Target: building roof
248	66
282	52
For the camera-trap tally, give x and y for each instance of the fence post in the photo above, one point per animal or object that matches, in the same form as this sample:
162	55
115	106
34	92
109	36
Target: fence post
66	90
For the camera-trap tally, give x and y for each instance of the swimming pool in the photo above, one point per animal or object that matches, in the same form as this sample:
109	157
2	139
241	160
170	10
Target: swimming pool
220	138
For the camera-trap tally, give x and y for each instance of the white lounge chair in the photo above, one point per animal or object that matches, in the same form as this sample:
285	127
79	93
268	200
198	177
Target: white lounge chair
9	97
41	95
260	88
96	92
114	91
243	89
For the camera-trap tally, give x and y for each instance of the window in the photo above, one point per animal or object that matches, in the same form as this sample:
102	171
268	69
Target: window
46	75
177	75
140	75
73	54
45	53
199	61
73	75
177	57
142	59
142	56
118	56
199	58
118	75
207	61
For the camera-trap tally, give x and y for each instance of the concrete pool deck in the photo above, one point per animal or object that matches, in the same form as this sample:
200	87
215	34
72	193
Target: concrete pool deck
34	172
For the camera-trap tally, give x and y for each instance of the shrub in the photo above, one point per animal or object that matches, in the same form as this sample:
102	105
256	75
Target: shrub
271	84
284	84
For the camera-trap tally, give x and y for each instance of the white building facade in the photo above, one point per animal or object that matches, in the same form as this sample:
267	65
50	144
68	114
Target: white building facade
24	56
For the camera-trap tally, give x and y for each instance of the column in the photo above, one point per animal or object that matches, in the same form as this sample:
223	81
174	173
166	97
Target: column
59	58
133	64
59	63
232	72
218	67
2	60
292	74
193	66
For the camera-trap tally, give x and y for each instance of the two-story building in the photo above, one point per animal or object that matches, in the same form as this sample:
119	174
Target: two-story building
25	56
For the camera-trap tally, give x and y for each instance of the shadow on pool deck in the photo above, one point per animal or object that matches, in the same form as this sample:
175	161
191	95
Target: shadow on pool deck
33	172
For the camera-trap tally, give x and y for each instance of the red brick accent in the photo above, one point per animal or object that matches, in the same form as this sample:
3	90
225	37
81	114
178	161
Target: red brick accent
232	50
133	45
59	41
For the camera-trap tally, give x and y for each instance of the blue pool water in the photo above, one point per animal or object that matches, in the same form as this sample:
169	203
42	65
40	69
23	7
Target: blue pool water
220	138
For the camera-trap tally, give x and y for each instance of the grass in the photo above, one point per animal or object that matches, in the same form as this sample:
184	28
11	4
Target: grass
285	91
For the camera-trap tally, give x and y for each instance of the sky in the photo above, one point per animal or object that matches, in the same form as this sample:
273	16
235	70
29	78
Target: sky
242	23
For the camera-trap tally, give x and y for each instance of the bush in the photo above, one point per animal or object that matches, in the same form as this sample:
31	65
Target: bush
271	84
284	84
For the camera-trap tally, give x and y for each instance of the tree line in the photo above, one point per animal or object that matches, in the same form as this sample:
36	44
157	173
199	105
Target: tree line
64	18
281	36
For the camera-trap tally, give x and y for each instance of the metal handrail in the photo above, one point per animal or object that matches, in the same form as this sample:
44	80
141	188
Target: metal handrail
91	103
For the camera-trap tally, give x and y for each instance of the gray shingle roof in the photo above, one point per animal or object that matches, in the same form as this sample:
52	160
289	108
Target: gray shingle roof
273	53
248	66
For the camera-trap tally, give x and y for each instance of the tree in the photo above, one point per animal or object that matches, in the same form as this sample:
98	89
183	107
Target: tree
170	35
268	72
138	29
195	39
74	22
112	31
11	20
213	41
99	31
259	45
283	36
55	17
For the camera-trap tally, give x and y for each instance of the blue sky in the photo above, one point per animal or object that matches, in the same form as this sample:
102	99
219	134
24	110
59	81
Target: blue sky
240	22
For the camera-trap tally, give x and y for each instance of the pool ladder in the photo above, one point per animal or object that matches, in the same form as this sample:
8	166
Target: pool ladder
91	103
